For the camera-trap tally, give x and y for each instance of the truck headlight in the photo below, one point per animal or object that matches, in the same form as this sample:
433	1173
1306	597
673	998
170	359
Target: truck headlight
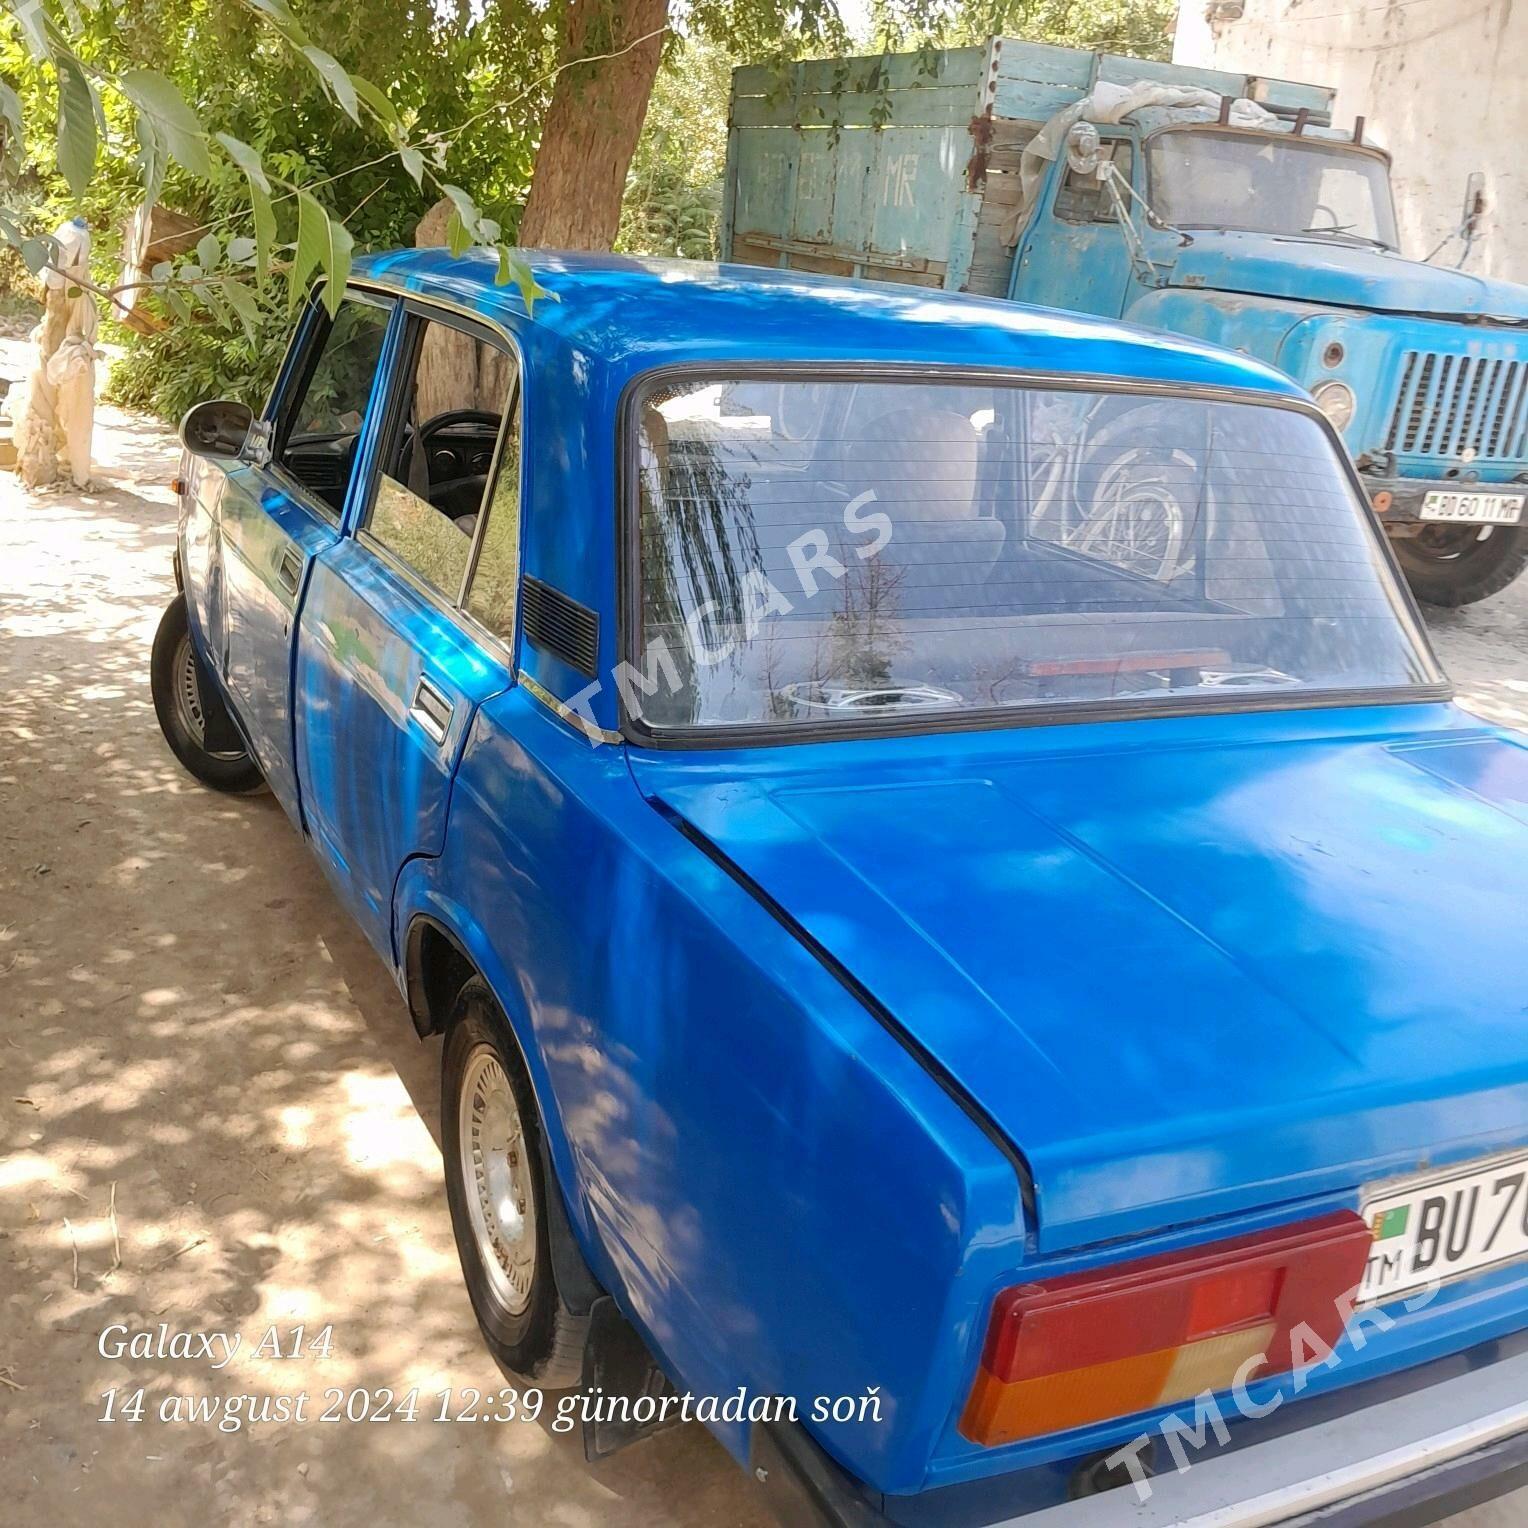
1336	401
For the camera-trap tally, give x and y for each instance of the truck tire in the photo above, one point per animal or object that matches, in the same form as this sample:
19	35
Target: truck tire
498	1190
1452	565
183	698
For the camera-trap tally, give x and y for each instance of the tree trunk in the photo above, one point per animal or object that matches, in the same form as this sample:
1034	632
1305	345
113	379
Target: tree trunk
593	123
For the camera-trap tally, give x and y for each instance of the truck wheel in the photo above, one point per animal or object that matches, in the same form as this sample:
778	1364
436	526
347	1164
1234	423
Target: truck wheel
182	704
497	1189
1455	565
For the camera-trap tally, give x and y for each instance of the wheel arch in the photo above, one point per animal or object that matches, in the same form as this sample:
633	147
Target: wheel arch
440	939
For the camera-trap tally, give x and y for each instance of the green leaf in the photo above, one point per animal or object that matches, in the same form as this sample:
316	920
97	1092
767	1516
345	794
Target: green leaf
36	253
332	73
247	159
154	95
215	305
39	29
512	267
244	303
152	158
10	110
209	252
322	244
465	206
178	304
413	162
259	198
77	138
458	240
376	99
241	250
281	14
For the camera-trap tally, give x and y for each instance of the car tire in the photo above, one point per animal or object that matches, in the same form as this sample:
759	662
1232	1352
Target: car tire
1456	565
183	701
498	1190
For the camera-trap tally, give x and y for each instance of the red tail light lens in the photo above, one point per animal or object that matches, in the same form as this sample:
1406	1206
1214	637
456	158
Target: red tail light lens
1089	1346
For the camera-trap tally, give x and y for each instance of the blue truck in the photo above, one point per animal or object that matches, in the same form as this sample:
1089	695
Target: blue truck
1221	206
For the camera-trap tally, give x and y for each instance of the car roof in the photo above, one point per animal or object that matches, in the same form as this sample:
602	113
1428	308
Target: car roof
635	314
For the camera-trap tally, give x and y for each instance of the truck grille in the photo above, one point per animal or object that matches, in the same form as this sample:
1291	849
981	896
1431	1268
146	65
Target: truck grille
1450	403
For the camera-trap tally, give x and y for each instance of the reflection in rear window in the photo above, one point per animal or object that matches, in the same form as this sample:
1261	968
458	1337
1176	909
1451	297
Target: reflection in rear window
821	550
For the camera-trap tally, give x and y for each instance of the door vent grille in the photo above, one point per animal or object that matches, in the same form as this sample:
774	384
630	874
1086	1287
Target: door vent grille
1449	404
561	626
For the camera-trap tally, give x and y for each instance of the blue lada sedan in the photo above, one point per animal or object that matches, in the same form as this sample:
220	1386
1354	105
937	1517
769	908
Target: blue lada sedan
975	955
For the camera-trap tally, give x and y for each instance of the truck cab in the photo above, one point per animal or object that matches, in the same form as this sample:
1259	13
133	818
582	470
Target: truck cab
1220	206
1282	244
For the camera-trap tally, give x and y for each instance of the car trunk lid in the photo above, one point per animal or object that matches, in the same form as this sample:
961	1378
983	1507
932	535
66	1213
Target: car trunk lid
1185	968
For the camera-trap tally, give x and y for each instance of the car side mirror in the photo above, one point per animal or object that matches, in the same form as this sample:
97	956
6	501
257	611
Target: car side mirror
216	428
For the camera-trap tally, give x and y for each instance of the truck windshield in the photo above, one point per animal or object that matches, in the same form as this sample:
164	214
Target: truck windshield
830	550
1265	184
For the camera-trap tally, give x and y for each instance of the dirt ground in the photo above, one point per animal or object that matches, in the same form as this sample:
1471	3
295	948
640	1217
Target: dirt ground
215	1118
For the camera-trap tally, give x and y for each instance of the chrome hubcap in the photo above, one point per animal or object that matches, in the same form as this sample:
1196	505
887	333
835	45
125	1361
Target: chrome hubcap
496	1171
188	693
188	702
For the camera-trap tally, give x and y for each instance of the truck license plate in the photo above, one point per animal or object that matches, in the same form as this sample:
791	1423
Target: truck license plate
1474	508
1438	1226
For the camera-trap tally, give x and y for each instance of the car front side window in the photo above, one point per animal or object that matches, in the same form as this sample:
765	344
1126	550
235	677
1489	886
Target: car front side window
319	423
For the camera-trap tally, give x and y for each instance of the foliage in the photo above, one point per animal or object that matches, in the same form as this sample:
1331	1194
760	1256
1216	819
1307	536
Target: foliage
166	373
1137	28
99	115
674	188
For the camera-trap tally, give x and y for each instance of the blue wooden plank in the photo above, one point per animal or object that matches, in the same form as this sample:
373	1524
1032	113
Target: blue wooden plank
909	108
1115	69
1028	101
1041	63
765	157
915	190
950	67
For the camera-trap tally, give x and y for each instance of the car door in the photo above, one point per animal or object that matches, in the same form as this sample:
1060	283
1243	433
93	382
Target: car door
275	516
1073	254
392	661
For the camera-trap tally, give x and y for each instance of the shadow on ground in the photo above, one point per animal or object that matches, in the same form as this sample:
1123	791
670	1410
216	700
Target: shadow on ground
214	1116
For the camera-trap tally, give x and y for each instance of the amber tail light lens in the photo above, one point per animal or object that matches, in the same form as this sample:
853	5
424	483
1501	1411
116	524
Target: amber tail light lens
1089	1346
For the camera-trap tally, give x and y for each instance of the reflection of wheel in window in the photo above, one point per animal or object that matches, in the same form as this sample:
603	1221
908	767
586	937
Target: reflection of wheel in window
798	414
1138	490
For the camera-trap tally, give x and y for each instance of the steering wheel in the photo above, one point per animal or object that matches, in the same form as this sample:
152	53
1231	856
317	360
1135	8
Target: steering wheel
448	491
437	423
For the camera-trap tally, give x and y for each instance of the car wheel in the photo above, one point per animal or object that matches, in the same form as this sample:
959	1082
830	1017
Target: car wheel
1453	565
496	1185
185	702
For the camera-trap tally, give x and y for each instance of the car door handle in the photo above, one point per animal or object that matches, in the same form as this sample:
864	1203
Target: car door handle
289	570
432	710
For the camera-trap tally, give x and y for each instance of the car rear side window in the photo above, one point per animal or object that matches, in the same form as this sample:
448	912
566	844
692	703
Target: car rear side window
827	551
493	592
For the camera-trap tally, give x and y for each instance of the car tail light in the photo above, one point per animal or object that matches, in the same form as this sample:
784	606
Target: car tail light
1088	1346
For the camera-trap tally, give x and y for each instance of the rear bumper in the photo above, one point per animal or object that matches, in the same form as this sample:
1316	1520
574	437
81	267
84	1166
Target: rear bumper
1410	1460
1406	495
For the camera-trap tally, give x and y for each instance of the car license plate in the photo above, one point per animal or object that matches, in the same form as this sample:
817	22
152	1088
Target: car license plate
1474	508
1438	1226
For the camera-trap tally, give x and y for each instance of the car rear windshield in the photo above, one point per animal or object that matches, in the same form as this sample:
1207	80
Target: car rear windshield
828	550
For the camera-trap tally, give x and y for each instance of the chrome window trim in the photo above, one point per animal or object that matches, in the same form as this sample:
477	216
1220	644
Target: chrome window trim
594	734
